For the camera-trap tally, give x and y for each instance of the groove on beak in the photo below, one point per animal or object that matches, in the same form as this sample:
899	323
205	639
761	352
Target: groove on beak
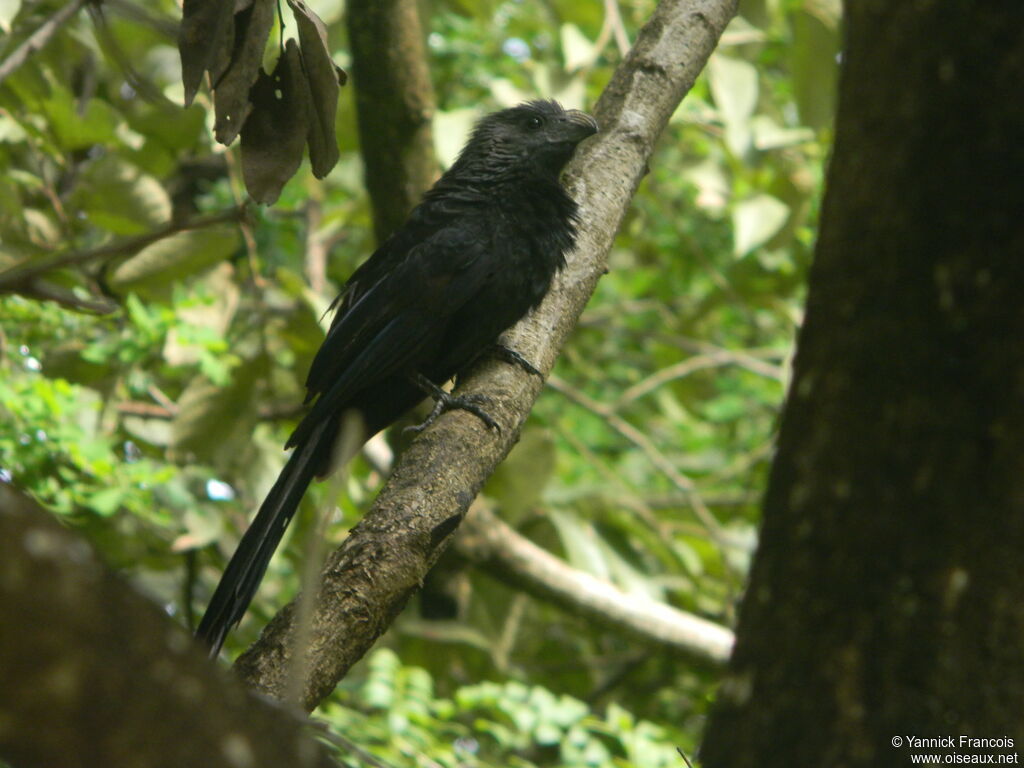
583	120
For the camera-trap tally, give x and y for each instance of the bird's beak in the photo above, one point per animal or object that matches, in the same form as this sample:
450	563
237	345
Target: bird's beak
588	124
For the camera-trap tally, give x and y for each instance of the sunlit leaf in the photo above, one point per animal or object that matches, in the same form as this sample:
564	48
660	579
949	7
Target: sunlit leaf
153	270
8	10
106	502
577	50
734	86
117	196
755	221
770	135
450	132
582	545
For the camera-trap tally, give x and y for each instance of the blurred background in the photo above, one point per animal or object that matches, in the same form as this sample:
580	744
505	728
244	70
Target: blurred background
146	391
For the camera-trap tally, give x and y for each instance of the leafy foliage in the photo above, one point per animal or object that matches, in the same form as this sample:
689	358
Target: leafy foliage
401	720
156	424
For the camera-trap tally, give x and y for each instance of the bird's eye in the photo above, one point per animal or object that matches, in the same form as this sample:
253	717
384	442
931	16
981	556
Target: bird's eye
533	122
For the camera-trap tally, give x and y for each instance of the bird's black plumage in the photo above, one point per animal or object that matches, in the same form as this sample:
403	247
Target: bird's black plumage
474	256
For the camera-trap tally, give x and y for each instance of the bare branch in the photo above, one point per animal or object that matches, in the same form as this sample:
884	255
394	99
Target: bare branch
369	579
686	367
16	277
38	39
494	546
649	449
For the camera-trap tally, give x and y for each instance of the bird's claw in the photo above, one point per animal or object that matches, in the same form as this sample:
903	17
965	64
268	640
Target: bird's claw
447	402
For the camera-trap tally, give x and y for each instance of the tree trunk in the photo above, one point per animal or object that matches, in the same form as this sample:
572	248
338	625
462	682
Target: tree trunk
394	106
887	597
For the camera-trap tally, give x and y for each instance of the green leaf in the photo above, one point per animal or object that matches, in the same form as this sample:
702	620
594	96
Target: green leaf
577	50
815	68
734	87
8	10
214	422
153	270
117	196
450	131
73	128
519	482
106	502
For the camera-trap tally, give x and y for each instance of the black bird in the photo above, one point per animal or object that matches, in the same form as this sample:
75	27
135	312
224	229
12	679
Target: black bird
474	256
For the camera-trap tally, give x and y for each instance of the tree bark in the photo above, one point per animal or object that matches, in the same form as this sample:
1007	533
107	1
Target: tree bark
92	673
886	599
370	577
394	107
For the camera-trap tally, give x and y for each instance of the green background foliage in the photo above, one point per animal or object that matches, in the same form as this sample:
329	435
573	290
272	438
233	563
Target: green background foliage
145	394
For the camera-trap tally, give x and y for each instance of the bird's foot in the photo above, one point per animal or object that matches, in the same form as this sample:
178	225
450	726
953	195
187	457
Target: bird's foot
445	401
510	356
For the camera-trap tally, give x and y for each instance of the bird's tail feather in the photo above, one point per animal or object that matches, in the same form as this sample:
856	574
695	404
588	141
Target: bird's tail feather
249	562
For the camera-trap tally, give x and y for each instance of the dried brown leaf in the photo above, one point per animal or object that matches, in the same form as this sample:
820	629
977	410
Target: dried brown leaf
324	84
231	96
205	42
274	134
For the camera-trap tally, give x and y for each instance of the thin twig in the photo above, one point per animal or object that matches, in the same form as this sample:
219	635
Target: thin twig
36	289
614	17
694	364
316	253
13	279
38	39
649	449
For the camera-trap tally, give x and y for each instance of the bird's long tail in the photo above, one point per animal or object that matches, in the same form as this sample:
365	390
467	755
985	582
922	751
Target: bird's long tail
246	568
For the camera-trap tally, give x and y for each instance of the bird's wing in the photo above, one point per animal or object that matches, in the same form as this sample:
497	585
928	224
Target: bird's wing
393	323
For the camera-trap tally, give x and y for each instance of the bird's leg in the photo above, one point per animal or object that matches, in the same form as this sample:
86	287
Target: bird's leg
444	401
510	356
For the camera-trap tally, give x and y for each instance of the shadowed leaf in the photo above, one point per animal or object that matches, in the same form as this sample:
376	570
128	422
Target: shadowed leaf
324	84
205	42
117	196
212	421
274	135
231	97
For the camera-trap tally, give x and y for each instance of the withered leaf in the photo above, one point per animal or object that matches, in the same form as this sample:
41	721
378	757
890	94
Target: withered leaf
323	85
205	41
274	135
231	95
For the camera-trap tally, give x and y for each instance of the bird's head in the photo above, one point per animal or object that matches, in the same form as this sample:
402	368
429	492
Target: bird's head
537	137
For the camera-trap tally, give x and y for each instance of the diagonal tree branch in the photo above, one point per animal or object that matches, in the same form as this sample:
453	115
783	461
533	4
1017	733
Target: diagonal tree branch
368	580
